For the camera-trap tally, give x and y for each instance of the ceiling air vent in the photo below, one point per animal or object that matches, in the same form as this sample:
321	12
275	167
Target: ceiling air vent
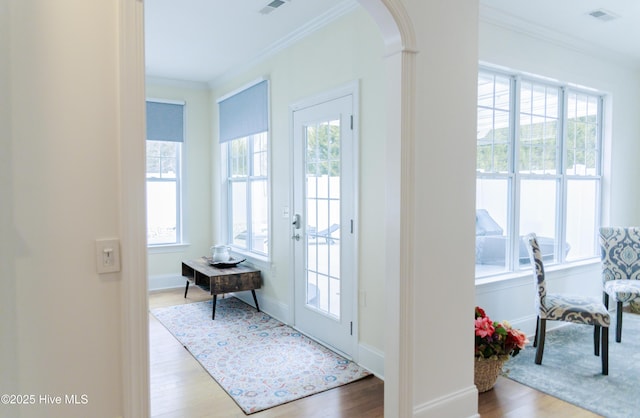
603	15
271	6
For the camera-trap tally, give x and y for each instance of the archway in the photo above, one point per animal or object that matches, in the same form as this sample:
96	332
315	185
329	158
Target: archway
397	33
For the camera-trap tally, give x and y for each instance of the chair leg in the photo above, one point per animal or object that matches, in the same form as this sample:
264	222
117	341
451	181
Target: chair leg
535	337
539	350
596	340
605	351
619	322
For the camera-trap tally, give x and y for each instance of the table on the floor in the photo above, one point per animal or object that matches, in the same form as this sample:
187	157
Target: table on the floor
221	280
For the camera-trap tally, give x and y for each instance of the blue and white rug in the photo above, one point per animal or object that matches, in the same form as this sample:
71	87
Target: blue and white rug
258	361
571	372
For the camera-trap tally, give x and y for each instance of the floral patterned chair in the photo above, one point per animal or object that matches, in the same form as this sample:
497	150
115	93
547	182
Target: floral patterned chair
620	268
567	308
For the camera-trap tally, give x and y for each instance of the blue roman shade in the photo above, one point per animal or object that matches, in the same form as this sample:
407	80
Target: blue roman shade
245	113
165	121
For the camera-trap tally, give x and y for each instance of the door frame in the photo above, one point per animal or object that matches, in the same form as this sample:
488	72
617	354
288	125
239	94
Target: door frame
353	89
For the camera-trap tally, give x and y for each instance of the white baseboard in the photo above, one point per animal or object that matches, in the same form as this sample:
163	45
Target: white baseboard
166	281
463	403
371	359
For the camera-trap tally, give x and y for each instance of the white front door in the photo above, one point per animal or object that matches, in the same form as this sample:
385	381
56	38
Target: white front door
323	229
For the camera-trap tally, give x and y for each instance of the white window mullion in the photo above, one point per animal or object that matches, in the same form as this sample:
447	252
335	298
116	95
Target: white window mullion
514	183
561	231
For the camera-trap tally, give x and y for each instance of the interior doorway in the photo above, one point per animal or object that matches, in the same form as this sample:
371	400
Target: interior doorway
398	35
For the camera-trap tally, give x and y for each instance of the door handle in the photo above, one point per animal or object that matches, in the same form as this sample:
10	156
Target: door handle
296	237
296	221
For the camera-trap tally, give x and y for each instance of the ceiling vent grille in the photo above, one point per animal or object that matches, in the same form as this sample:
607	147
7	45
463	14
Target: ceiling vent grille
603	15
272	6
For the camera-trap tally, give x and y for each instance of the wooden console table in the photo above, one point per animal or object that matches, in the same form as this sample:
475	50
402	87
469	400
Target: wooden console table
221	280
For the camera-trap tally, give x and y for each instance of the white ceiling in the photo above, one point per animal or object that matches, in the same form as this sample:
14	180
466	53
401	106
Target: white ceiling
569	22
202	40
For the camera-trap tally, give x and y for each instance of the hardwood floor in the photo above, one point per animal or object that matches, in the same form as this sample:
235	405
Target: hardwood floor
181	388
511	399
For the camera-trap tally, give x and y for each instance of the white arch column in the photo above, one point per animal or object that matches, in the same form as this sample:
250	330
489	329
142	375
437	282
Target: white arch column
398	36
431	88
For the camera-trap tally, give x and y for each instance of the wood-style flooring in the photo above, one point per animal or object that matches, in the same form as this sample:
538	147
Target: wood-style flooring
181	388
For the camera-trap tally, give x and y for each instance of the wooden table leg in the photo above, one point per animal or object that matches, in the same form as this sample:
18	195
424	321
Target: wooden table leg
253	292
213	314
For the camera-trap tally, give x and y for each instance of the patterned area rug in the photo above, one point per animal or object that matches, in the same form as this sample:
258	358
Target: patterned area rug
571	372
259	361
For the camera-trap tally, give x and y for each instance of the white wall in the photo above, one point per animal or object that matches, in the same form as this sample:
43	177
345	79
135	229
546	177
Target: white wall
60	192
620	81
165	262
8	324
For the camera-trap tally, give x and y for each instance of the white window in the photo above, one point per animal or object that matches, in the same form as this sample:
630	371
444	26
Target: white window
165	136
538	170
244	138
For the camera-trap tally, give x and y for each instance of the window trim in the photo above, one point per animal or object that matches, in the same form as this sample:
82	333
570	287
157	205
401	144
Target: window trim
514	177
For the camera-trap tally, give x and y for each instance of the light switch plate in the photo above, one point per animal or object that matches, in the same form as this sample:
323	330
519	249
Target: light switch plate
108	255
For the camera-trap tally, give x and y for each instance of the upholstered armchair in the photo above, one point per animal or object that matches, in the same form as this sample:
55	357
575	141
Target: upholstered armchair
568	308
620	248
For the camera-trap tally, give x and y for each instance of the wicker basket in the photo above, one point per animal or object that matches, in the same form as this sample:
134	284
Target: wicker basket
486	373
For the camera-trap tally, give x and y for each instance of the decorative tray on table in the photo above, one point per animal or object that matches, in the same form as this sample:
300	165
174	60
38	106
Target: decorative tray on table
232	262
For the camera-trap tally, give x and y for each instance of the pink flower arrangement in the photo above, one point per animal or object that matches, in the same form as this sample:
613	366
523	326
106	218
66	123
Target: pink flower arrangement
496	339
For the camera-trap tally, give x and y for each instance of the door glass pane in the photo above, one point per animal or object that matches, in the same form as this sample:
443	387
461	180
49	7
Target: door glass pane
313	295
323	216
